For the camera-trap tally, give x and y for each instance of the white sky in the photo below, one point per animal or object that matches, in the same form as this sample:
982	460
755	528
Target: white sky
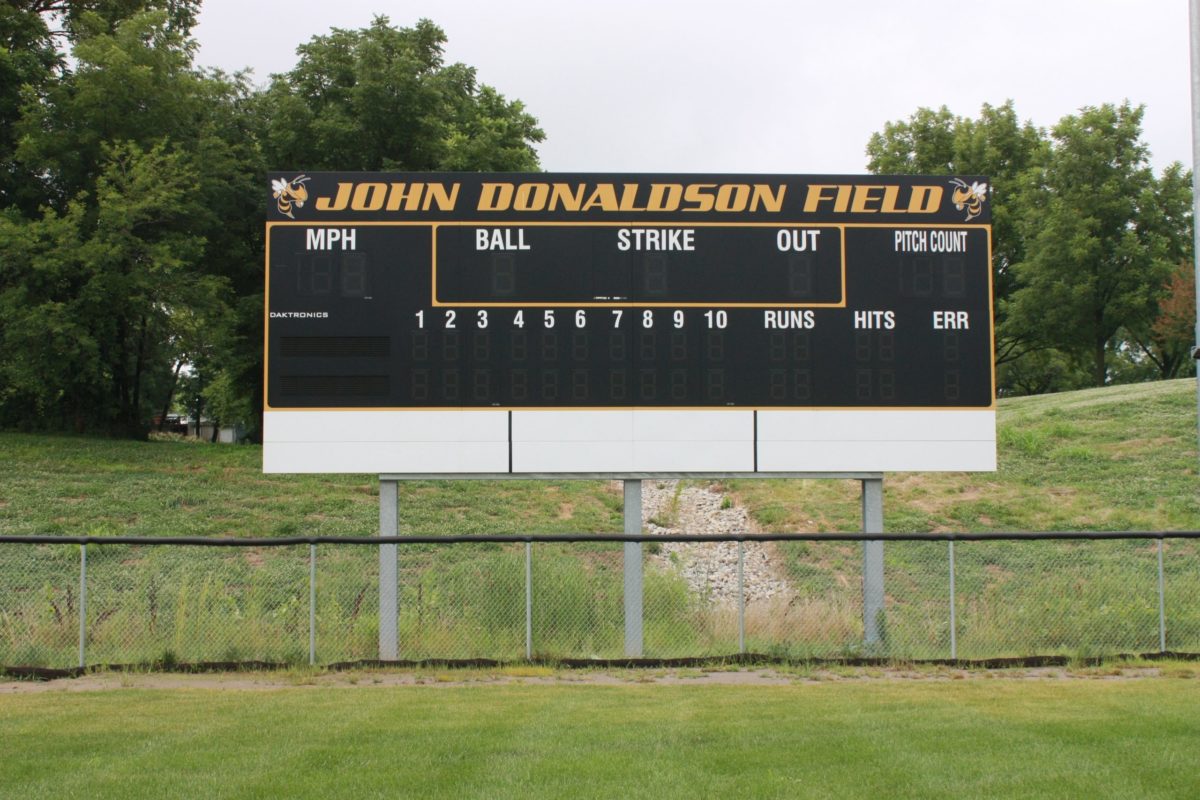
760	86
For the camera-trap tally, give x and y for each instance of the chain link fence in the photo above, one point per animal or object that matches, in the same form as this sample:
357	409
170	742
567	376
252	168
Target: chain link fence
87	601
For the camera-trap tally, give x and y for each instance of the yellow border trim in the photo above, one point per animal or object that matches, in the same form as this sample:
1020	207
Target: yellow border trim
631	303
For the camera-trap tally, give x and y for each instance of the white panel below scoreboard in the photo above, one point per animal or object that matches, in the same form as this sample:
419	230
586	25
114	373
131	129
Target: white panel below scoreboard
452	441
877	441
385	441
641	440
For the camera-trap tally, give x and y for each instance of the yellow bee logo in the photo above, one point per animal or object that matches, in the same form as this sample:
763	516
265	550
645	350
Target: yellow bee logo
288	193
971	197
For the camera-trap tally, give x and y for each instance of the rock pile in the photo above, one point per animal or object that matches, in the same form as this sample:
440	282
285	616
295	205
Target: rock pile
710	568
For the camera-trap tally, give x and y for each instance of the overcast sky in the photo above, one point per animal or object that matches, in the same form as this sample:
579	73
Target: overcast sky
757	86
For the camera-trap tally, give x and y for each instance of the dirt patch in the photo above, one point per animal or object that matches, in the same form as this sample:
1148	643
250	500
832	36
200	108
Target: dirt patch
783	676
1138	447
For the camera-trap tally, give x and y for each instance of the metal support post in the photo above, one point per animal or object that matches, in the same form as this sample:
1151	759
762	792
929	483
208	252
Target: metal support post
312	604
82	605
389	637
1162	604
633	570
953	616
528	601
872	515
1194	49
741	597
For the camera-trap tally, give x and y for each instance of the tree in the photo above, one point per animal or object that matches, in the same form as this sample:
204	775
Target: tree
29	62
48	353
144	165
924	144
1168	341
110	280
1040	371
381	98
133	85
1097	253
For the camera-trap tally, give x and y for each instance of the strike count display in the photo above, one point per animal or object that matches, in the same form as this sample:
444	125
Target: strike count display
823	294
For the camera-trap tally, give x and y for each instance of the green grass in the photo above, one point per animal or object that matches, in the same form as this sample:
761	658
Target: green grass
974	738
68	485
1117	458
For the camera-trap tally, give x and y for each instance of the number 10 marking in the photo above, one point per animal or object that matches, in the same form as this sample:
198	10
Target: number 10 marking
716	319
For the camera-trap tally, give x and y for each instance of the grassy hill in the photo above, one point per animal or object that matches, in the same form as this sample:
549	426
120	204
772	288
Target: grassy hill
1118	458
72	485
1103	459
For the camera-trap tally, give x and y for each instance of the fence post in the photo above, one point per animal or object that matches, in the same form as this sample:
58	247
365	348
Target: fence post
953	616
633	570
528	601
741	597
82	605
389	635
872	515
312	604
1162	604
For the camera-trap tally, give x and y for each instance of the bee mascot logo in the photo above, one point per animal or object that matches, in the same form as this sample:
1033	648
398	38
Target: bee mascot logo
289	193
970	197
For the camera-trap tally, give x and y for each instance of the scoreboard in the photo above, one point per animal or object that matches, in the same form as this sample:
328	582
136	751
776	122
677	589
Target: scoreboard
456	323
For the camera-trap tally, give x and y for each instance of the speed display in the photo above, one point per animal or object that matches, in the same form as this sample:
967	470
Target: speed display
432	291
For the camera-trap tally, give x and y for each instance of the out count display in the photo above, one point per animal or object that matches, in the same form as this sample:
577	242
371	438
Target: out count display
596	291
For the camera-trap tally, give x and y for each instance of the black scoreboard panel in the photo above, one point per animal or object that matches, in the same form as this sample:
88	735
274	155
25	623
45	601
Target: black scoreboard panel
601	264
514	312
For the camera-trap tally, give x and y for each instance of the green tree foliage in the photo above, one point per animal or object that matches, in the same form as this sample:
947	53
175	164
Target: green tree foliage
1167	339
89	323
382	98
29	61
134	85
143	166
132	186
1167	342
1099	237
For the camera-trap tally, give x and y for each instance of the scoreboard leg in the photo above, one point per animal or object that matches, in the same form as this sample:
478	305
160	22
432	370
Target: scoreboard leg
872	513
389	644
633	570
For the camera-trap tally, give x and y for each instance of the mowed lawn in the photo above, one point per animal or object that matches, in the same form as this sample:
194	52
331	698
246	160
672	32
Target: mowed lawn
980	737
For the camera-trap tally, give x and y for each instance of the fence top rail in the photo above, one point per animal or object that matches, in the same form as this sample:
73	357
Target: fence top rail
992	536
